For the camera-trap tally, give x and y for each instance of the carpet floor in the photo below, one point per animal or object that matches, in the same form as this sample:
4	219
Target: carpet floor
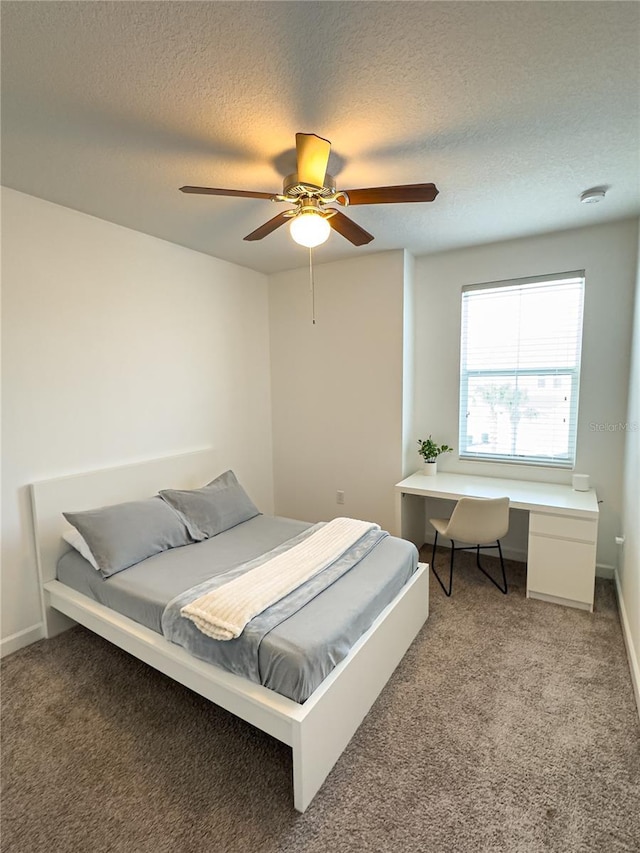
510	725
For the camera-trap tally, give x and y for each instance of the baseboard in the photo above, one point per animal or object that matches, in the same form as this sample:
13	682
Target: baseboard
634	666
607	572
23	638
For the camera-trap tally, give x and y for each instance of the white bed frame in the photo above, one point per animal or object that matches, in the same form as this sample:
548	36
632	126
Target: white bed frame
318	730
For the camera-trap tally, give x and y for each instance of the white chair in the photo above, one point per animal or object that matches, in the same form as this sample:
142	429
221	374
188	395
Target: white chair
477	521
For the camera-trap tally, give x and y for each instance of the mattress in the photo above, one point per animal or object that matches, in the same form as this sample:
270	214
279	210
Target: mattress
297	654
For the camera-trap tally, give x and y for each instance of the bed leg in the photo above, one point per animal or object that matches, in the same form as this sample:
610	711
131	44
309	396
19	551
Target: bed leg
301	794
54	622
313	760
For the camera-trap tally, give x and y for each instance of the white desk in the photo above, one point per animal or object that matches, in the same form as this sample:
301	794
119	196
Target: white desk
563	528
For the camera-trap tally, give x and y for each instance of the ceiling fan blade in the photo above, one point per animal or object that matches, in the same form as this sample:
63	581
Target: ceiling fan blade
215	191
313	156
349	229
393	195
269	226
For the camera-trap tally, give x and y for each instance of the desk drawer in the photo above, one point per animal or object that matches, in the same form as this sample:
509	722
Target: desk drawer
564	527
562	569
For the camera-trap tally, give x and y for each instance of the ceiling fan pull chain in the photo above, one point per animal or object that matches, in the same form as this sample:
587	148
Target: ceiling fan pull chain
312	288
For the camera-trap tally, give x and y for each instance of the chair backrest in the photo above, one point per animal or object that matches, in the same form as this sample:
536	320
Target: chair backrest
479	521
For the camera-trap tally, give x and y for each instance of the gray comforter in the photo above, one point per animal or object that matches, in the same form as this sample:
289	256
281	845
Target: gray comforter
241	655
295	655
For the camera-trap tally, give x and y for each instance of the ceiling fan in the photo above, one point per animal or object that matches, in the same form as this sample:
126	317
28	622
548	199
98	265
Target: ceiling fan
311	191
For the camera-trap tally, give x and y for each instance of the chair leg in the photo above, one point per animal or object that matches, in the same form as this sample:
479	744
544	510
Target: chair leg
503	588
504	577
447	592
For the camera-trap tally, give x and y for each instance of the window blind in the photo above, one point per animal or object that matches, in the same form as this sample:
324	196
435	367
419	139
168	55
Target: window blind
520	369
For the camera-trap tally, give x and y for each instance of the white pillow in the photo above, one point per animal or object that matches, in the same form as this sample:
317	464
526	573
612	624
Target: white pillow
76	541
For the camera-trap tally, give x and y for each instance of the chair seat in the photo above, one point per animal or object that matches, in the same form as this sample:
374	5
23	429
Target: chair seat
441	525
479	522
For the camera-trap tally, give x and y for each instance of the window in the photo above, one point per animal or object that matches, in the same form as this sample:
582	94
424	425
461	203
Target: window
520	369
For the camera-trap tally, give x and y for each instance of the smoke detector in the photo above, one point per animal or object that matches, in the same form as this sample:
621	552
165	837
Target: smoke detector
593	196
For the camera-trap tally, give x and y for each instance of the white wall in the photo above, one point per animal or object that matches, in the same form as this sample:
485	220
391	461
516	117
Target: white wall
608	254
337	388
118	347
629	565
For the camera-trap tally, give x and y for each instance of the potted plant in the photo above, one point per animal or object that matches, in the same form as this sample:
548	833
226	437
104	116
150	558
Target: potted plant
429	450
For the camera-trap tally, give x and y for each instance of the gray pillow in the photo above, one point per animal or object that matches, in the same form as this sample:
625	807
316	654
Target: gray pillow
121	535
214	508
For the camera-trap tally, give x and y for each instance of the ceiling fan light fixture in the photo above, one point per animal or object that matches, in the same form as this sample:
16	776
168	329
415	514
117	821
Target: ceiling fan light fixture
309	229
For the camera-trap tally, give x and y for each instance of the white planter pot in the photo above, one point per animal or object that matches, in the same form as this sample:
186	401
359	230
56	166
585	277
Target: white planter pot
430	469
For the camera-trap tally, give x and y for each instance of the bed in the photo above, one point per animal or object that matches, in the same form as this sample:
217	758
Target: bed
317	727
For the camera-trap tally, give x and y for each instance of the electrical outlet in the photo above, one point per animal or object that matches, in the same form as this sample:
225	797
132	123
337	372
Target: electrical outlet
339	497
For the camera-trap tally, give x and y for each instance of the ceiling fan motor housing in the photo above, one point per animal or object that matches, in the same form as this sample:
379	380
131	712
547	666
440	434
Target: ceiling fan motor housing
293	188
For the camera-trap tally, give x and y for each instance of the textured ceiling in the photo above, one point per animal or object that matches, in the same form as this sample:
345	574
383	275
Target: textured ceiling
511	108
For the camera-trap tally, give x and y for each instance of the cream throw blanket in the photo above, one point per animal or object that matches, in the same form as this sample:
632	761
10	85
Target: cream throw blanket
223	613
